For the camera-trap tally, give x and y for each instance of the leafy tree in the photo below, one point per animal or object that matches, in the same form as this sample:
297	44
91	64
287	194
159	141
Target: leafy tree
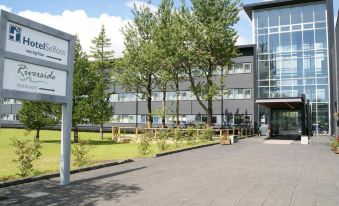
139	64
37	115
103	65
168	40
83	81
209	44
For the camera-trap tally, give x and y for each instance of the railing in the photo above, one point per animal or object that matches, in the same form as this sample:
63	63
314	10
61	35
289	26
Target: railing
131	134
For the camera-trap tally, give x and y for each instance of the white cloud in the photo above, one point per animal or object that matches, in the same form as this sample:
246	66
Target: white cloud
3	7
77	22
242	41
139	4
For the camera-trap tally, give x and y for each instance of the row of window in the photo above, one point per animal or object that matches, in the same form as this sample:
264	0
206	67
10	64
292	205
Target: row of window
10	101
305	13
229	119
9	117
293	41
183	95
294	27
240	68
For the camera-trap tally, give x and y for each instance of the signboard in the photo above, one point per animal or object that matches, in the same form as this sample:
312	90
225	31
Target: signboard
29	42
22	76
36	63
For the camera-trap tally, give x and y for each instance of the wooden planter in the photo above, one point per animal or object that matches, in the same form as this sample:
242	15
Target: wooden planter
225	141
336	150
333	147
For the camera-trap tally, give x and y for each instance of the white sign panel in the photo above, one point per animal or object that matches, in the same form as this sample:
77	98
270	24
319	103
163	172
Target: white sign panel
32	43
21	76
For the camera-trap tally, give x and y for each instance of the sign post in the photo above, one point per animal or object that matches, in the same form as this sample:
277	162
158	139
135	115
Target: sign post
36	64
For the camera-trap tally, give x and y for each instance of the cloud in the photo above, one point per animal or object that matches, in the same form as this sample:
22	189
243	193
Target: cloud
243	41
77	22
130	4
3	7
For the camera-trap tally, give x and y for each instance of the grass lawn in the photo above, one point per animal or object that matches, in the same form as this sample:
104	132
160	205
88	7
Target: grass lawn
104	150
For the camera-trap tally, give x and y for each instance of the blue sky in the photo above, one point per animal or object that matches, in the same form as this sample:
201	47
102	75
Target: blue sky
85	17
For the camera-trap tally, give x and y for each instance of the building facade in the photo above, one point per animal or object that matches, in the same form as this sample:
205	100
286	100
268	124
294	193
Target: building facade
288	79
234	107
295	47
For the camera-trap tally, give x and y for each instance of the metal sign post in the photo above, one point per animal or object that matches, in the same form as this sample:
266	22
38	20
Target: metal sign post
36	63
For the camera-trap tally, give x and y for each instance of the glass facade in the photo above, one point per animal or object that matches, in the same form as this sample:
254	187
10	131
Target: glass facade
293	54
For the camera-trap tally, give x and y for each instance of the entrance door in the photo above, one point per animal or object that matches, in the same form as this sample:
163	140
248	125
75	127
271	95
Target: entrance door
286	123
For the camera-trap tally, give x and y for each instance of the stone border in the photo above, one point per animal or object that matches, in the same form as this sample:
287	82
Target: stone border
57	174
185	149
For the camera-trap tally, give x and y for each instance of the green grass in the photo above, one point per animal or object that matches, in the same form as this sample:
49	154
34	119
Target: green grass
103	151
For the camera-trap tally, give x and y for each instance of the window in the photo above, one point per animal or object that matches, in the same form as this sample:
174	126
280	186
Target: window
240	68
126	97
143	118
157	96
320	39
307	13
319	12
11	101
9	117
247	68
237	94
123	118
171	96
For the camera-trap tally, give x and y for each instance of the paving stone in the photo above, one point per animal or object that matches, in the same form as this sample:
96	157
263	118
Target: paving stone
246	173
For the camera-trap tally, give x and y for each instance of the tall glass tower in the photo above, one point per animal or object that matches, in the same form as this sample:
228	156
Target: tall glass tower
293	53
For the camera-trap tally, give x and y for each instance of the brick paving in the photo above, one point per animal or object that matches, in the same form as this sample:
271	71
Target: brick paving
247	173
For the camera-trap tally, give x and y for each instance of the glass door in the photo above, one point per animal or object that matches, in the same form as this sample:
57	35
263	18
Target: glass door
286	122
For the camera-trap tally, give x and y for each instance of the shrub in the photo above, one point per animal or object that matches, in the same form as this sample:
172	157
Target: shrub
161	139
189	135
178	136
26	151
145	142
206	134
81	152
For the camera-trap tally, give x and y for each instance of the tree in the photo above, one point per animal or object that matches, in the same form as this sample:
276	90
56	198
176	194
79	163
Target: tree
139	66
209	44
168	40
103	65
37	115
100	106
101	47
83	81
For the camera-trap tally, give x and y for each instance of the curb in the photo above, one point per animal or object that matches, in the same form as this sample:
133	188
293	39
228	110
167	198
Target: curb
57	174
185	149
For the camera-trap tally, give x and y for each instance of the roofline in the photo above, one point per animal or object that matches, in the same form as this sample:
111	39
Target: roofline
248	8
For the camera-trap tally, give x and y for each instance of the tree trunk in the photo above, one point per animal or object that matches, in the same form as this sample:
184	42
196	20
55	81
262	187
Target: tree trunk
177	103
149	112
37	135
209	113
149	103
76	134
210	98
163	115
101	131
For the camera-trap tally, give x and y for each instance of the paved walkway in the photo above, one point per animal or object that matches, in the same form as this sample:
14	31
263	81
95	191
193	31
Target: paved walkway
247	173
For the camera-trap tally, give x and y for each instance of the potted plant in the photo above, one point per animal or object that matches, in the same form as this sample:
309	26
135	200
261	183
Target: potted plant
224	140
333	145
336	146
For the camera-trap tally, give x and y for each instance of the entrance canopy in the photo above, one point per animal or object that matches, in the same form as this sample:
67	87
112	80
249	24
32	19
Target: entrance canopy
282	103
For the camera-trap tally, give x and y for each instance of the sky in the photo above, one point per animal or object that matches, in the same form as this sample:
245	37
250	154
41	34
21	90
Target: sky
85	17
